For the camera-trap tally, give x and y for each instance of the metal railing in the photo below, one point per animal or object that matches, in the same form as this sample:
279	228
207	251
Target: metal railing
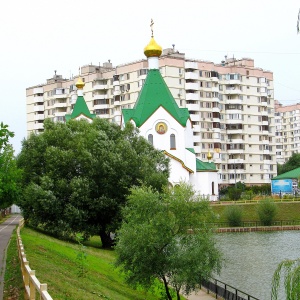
279	223
225	291
31	283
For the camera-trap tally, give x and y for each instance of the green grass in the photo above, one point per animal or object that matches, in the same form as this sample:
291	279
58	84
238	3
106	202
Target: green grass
286	211
13	283
55	264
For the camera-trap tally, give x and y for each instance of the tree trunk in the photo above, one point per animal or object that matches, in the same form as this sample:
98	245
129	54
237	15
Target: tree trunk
106	240
178	295
167	288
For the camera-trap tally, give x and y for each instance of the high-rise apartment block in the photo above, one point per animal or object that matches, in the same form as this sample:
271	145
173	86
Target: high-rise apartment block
287	131
231	107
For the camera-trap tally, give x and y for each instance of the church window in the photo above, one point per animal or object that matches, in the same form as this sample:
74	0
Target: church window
150	139
212	188
172	141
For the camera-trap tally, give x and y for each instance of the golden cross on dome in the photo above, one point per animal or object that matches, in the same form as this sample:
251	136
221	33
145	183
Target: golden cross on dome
151	25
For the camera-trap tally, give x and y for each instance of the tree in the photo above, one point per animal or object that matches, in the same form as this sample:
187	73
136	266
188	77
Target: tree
167	236
292	163
77	175
9	173
290	269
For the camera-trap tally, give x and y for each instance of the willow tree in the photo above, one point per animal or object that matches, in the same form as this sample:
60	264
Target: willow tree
288	275
167	237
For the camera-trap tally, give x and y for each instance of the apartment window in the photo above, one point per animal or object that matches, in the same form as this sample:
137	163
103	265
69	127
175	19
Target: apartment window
180	81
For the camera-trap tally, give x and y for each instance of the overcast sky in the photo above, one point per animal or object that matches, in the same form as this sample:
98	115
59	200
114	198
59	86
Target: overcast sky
39	36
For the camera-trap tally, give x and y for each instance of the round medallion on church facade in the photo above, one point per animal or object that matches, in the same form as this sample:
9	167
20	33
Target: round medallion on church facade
161	127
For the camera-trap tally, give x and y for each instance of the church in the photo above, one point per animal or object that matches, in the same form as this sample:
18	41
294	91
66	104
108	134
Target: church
165	125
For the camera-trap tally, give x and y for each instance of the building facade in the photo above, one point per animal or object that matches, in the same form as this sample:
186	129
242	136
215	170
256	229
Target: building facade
231	106
287	131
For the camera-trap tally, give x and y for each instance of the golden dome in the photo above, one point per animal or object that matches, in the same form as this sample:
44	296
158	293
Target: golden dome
80	84
153	49
209	156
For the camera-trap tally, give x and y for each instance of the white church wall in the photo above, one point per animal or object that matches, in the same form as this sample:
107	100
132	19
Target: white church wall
177	173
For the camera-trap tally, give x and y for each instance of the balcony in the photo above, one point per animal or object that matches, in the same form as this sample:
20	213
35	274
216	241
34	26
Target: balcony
196	128
59	96
38	108
232	91
235	161
190	75
38	99
100	87
38	126
117	93
192	86
60	114
233	121
192	96
39	117
100	96
197	149
38	90
216	109
191	65
195	118
193	107
234	101
60	104
101	106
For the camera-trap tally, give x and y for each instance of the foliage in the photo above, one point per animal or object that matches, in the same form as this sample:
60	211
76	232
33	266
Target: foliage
234	193
167	236
290	269
5	134
266	210
10	177
292	163
233	215
76	176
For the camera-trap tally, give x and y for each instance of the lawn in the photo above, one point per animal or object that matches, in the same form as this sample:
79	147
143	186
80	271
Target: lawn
56	264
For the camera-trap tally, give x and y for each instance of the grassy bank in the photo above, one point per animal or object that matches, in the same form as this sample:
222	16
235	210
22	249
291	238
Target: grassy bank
286	211
13	283
57	265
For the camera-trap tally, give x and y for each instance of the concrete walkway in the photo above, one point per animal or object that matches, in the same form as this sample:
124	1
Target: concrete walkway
6	229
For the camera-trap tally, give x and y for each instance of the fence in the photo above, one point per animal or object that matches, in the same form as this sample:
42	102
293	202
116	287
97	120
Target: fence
31	283
225	291
279	223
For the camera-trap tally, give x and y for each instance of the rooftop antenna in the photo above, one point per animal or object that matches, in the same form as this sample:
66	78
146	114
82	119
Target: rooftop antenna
173	45
55	72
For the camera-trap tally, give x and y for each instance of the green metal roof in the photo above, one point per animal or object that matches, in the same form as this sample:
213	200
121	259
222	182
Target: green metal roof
154	94
293	174
191	150
80	108
202	166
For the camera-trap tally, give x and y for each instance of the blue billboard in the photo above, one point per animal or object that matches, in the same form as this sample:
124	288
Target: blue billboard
282	185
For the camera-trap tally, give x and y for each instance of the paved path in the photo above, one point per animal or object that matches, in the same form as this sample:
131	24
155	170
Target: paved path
6	230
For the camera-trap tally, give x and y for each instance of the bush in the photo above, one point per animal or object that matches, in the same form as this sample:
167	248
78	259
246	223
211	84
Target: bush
233	215
266	210
234	193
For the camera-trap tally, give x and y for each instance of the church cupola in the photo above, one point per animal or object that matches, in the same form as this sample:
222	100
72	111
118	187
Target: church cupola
152	51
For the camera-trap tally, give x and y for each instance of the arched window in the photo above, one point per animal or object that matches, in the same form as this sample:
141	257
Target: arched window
172	141
150	139
212	188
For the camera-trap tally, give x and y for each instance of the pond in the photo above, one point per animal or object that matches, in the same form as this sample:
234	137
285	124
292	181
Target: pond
251	259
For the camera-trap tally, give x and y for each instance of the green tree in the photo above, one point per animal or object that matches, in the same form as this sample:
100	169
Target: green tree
290	269
76	176
267	210
167	236
292	163
233	215
9	173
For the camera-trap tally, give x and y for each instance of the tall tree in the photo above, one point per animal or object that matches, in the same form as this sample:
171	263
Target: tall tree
167	236
77	175
9	173
292	163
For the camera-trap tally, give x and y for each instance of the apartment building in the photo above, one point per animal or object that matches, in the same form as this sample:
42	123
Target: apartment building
287	131
231	107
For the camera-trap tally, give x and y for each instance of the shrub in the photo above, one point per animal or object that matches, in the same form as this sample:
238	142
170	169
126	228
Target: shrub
266	210
234	193
233	215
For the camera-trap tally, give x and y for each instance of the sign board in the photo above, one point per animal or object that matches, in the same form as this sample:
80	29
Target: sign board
282	185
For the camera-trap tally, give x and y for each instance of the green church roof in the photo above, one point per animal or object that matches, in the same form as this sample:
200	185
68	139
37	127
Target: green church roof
80	108
202	166
293	174
154	94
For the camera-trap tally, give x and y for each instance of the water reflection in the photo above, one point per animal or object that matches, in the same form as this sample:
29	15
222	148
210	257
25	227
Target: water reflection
252	257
